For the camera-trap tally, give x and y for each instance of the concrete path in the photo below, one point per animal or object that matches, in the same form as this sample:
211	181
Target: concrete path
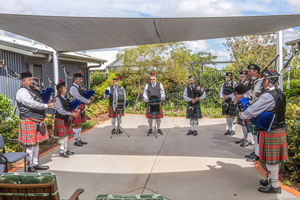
177	166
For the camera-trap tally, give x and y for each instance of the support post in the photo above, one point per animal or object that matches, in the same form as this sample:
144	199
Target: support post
55	68
280	59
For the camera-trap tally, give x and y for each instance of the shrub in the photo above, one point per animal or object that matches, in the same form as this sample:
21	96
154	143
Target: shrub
49	123
5	107
88	124
94	110
9	130
98	78
294	90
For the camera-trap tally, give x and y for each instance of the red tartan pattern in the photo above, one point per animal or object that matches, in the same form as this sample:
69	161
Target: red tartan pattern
60	129
273	146
111	113
82	107
76	120
157	116
28	133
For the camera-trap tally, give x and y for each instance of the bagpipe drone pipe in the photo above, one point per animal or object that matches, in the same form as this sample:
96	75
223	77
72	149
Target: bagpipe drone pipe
46	92
88	93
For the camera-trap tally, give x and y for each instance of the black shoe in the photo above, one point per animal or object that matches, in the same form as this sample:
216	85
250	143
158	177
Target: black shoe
231	133
248	156
64	155
244	144
159	131
239	141
119	131
195	133
264	182
150	131
269	189
227	132
113	131
190	132
79	144
256	158
70	152
252	156
82	142
41	167
31	169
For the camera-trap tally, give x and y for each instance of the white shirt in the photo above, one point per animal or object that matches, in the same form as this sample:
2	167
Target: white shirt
106	97
59	107
231	95
256	88
162	91
23	96
188	99
75	93
264	102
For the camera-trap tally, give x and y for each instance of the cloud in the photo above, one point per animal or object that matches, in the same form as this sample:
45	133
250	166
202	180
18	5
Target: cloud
290	34
197	46
295	4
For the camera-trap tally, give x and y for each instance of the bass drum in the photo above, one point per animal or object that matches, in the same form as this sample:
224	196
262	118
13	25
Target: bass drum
119	100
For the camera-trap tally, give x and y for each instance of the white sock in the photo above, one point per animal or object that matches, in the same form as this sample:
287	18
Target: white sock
75	131
233	124
195	125
120	120
192	125
229	123
62	145
66	143
274	170
249	136
113	122
150	123
29	157
35	155
256	151
158	123
245	132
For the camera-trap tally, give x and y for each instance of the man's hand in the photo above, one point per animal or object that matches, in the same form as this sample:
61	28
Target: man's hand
238	98
240	113
193	101
74	114
197	99
51	105
92	99
162	99
146	101
53	100
78	111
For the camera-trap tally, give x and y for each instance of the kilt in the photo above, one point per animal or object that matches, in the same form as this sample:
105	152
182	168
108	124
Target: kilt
273	146
111	112
28	133
252	128
231	111
82	107
197	112
60	129
239	121
76	120
157	116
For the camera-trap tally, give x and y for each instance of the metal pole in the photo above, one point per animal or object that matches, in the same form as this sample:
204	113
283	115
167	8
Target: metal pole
280	59
55	68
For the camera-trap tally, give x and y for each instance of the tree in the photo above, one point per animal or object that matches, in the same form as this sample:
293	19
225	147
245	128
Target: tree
254	49
201	57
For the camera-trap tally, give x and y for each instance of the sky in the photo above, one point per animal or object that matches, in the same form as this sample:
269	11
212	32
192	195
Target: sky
161	8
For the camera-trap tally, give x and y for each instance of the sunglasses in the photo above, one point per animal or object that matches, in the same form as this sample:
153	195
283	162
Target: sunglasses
152	79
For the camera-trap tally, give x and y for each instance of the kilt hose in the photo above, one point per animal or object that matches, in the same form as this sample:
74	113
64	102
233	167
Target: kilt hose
60	128
28	133
273	146
197	112
231	111
82	107
111	113
156	116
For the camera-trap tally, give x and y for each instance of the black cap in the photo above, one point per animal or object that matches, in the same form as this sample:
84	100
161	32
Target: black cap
116	79
271	75
241	89
77	74
254	67
192	77
243	72
26	75
60	84
229	74
152	74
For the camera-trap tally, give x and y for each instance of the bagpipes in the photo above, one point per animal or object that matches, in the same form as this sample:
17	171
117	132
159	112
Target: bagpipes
88	92
6	68
198	93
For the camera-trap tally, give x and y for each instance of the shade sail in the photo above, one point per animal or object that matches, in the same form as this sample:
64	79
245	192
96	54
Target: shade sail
86	33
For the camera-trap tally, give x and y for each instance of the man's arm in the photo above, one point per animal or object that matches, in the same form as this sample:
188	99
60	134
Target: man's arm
185	96
60	109
221	92
162	92
203	95
145	93
75	93
23	96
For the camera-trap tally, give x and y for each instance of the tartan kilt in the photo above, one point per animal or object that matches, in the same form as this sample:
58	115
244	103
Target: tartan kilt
239	120
28	133
157	116
111	112
231	111
273	146
252	128
76	120
197	112
82	107
60	129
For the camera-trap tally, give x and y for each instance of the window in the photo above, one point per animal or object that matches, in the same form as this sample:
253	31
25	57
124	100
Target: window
37	73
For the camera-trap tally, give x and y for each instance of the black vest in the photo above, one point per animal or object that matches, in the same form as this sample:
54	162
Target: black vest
153	91
81	91
26	112
228	89
111	94
279	109
192	94
66	106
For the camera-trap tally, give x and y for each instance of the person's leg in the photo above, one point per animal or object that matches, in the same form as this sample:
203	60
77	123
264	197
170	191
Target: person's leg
244	128
29	158
80	140
195	124
36	163
232	123
275	187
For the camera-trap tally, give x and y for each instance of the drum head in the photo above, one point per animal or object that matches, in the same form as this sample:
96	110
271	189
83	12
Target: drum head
119	100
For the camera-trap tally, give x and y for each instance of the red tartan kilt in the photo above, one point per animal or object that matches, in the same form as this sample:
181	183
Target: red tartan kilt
76	120
28	133
82	107
273	146
157	116
111	112
60	129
